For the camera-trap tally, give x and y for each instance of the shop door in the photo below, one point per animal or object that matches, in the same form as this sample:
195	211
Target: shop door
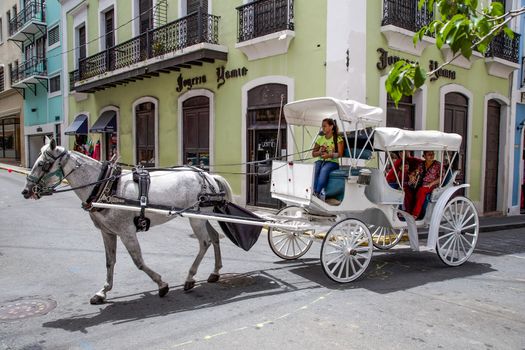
490	201
264	123
456	114
196	132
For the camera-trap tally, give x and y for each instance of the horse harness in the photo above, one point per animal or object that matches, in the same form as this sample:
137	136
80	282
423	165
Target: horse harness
207	197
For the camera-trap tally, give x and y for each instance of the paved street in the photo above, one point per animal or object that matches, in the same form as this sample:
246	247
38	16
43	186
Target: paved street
51	253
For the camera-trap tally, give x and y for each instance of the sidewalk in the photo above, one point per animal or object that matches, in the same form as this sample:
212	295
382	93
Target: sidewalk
486	224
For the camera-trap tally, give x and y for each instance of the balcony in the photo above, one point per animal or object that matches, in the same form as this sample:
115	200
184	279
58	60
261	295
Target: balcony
265	28
29	74
29	22
502	56
401	19
191	40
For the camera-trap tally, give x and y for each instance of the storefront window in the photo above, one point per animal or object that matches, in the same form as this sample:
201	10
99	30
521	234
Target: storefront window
10	138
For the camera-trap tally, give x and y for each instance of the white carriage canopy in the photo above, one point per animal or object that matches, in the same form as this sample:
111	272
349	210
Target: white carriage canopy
312	111
394	139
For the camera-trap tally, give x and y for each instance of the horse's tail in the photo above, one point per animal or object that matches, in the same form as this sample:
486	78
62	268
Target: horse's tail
224	186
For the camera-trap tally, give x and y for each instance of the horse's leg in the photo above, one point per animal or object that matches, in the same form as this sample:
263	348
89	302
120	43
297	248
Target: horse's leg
214	236
110	245
130	241
199	228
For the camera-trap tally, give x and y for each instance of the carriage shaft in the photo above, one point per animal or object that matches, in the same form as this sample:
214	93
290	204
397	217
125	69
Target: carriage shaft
187	214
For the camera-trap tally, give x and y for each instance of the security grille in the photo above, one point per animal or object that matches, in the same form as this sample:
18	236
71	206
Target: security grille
53	35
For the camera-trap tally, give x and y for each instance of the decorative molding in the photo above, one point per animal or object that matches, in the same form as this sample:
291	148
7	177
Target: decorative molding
401	39
499	67
461	61
266	46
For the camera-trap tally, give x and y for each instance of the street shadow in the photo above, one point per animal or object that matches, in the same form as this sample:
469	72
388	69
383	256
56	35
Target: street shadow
395	271
498	243
232	288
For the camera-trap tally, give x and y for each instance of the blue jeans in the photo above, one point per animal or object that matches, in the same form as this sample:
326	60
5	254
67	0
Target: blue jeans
322	172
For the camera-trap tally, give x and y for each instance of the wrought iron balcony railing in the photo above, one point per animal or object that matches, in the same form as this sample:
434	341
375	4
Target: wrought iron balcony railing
504	47
187	31
36	66
33	11
263	17
405	14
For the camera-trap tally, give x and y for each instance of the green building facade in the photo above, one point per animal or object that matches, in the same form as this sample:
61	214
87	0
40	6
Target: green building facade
202	81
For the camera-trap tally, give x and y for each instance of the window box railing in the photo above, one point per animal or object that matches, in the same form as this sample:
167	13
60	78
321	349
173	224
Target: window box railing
34	67
193	29
522	84
34	11
264	17
504	47
405	14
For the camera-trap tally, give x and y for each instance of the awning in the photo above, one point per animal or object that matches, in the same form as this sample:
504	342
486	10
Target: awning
107	122
79	126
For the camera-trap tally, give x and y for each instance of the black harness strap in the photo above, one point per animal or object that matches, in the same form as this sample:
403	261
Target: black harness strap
97	190
141	176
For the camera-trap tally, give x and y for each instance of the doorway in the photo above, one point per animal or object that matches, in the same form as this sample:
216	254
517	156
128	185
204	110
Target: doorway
266	139
456	121
490	200
145	134
196	132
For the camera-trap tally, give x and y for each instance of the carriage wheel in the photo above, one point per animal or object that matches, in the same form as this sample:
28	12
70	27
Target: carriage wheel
287	244
458	231
346	250
385	237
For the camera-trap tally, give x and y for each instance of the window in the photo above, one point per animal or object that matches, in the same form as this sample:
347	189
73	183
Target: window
82	42
54	84
110	35
1	28
10	65
2	84
53	35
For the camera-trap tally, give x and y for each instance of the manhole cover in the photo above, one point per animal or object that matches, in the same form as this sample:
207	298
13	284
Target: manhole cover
20	309
233	280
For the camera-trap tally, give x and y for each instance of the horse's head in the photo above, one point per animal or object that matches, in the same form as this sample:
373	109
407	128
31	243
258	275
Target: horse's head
47	171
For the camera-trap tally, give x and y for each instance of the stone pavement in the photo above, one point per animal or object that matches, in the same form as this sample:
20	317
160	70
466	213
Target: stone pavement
486	223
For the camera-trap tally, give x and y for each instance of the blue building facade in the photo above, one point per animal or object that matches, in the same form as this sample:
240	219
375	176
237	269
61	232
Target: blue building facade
36	29
518	183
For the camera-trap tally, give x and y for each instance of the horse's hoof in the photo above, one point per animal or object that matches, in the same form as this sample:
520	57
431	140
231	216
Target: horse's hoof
164	290
96	300
189	285
213	278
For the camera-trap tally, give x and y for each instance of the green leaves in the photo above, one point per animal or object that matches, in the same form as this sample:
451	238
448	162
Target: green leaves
462	25
403	79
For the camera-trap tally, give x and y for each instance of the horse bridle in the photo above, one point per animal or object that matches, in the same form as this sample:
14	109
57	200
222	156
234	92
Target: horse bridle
40	188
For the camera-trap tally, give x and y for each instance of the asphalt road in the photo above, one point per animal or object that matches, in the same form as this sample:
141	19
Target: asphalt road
52	258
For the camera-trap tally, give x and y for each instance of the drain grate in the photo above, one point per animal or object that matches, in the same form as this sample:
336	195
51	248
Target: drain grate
21	309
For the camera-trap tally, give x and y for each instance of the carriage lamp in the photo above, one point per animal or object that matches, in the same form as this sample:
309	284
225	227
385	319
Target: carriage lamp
364	177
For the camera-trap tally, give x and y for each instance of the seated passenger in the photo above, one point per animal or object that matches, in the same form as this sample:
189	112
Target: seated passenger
429	178
411	165
328	152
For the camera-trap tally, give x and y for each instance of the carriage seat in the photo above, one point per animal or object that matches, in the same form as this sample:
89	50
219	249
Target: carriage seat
437	192
336	182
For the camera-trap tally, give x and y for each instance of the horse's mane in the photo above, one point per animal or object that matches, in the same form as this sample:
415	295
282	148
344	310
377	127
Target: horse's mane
85	157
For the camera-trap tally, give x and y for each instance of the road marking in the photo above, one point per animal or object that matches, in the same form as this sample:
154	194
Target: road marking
257	325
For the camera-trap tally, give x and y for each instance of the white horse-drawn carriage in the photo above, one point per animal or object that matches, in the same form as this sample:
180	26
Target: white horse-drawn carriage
367	211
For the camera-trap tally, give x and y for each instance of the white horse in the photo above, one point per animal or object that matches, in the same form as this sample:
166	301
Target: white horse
178	189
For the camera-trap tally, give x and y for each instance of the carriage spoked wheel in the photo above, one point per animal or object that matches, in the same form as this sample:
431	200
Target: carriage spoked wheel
288	244
385	237
458	231
346	250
